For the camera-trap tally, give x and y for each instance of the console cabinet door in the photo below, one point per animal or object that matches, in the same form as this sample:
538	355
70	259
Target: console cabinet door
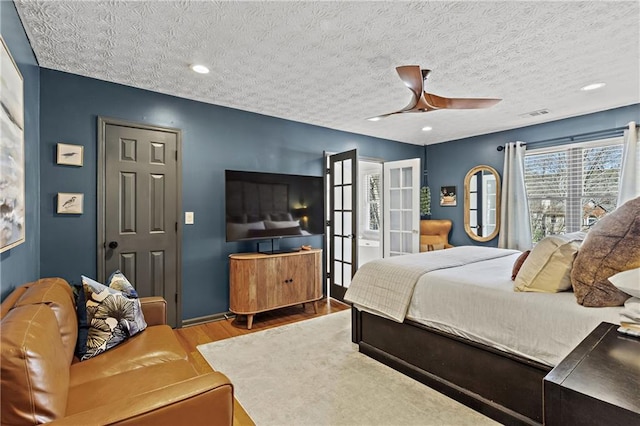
295	279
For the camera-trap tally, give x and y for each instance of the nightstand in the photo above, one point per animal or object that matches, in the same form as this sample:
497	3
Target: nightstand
598	383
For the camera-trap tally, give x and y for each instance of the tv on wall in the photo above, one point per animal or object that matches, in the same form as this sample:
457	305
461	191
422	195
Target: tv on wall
272	205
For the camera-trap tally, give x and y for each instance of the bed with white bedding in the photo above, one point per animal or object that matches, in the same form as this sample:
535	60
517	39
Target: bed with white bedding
543	327
496	338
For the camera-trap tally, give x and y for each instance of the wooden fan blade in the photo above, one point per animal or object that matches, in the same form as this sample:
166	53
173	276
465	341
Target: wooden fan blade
440	102
412	78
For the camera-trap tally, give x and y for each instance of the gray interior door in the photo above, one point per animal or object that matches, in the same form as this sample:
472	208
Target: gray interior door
343	222
140	203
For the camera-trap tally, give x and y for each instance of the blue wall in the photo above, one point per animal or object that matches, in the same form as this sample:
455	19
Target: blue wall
448	163
214	139
22	263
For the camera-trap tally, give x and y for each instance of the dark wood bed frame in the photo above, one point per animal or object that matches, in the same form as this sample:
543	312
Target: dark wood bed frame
505	387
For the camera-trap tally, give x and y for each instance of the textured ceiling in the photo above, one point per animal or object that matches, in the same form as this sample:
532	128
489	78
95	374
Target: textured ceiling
332	64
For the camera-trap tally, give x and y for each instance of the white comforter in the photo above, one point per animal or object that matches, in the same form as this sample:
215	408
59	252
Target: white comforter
477	302
385	286
467	291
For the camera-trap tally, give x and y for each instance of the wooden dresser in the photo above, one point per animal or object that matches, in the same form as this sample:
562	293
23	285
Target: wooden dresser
262	282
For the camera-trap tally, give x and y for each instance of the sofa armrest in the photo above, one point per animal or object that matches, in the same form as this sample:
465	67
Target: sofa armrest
205	399
154	310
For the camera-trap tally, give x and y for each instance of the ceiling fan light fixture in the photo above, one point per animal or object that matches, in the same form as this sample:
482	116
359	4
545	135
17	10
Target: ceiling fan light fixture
592	86
427	128
200	69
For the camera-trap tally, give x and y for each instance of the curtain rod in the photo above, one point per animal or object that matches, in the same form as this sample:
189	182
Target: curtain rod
616	131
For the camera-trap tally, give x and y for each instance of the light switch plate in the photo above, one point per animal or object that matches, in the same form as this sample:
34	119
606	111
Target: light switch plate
188	218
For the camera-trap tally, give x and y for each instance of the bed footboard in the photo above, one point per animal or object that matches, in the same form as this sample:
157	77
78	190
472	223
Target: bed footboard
502	386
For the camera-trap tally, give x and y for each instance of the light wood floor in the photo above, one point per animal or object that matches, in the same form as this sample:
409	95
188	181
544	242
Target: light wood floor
192	336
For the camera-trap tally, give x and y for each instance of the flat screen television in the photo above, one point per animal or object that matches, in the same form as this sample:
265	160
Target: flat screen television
272	205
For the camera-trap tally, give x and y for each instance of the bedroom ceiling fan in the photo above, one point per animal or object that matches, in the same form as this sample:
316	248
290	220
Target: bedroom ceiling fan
415	79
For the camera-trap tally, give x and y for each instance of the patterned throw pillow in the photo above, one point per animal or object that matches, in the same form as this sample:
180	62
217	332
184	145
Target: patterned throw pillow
118	281
106	316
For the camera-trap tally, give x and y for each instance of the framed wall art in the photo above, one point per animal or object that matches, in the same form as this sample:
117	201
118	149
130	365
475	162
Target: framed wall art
70	203
448	196
12	187
70	155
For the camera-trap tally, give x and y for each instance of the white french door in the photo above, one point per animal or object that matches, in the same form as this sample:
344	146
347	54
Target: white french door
401	203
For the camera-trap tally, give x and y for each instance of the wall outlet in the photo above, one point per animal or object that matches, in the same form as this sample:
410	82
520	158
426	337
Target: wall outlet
188	218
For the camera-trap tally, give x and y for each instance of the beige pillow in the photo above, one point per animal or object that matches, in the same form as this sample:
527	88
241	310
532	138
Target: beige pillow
547	269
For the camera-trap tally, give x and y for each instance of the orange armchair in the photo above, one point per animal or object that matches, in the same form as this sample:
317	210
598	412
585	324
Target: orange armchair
434	234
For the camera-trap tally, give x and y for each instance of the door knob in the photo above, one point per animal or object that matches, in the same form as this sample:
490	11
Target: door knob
113	245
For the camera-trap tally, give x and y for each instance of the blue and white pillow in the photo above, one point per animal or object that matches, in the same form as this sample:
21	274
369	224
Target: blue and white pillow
106	316
118	281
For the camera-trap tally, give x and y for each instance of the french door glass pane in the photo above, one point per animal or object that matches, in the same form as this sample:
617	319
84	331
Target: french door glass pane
406	242
395	199
346	274
395	178
337	270
347	171
346	203
347	248
346	223
407	199
406	176
395	243
406	220
337	223
337	173
337	241
337	197
396	221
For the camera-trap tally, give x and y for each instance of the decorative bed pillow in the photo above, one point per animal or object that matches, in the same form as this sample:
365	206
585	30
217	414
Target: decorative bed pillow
118	281
519	261
106	317
627	281
547	268
612	246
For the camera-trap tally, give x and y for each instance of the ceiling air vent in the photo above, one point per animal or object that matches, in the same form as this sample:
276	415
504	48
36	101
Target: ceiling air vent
535	113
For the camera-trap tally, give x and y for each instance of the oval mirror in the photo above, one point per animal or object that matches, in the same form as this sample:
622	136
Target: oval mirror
482	203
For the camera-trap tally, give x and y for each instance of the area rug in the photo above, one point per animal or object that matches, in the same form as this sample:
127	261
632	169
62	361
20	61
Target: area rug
309	373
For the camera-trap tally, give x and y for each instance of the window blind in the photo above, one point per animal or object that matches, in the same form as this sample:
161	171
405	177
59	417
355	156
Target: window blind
571	187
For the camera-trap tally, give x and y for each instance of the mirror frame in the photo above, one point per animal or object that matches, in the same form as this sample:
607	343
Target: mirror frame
467	183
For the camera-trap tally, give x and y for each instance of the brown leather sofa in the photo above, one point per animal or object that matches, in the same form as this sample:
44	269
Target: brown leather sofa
148	379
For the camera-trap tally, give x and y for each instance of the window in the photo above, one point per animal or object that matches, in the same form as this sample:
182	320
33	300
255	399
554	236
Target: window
572	186
372	192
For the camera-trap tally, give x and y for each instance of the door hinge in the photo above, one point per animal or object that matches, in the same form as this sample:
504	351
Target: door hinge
328	223
328	275
328	171
176	226
176	155
176	297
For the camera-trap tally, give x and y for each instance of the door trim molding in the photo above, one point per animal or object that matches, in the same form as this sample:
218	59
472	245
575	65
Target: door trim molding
101	237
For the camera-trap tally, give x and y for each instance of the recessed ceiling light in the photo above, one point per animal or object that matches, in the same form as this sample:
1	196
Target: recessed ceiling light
593	86
427	129
200	69
374	118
